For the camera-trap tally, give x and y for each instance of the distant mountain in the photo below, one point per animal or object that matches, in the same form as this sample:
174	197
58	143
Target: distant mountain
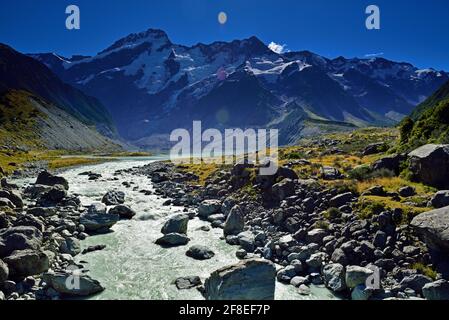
152	86
20	72
429	122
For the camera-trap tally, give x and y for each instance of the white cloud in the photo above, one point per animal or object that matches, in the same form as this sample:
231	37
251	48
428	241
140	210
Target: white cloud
278	48
372	55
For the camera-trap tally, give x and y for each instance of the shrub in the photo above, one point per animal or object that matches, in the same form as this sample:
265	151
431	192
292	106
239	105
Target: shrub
405	129
425	270
332	213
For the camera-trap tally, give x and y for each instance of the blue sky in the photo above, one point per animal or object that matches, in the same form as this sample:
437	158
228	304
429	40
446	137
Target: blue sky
415	31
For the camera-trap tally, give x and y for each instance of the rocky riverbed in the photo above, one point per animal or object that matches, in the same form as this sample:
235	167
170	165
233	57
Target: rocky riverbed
62	234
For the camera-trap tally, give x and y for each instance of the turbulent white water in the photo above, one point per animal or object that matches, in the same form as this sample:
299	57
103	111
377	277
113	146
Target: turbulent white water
132	266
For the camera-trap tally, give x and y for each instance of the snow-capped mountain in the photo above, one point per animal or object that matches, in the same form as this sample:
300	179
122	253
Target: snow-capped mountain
152	85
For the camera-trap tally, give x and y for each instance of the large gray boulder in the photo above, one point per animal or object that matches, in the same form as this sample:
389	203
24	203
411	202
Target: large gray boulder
334	277
283	189
429	164
19	238
199	252
235	222
176	224
208	208
97	220
433	226
47	179
391	163
356	275
23	263
123	211
72	284
113	198
173	240
13	196
252	279
70	246
415	282
438	290
440	199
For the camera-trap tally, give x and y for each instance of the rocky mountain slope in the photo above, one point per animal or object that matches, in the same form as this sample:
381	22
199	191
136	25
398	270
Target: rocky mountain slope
30	122
20	72
152	85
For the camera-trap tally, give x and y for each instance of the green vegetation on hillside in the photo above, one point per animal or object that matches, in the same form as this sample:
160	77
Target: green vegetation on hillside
429	123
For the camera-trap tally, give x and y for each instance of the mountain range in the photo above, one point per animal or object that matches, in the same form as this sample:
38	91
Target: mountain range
152	86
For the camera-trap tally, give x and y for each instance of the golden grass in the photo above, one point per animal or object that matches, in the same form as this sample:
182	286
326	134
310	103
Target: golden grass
393	184
59	163
202	170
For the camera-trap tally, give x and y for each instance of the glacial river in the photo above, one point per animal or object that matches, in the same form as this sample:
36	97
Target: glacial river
132	266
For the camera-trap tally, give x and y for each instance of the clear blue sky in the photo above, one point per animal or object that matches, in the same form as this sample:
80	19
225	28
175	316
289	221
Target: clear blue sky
415	31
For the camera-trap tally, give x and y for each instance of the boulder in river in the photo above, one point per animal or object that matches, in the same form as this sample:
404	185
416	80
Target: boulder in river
429	164
113	198
47	179
235	222
176	224
433	226
22	263
173	240
356	275
123	211
97	220
334	277
72	283
252	279
185	283
199	252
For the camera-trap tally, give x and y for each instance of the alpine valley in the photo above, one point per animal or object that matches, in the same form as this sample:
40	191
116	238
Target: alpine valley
152	86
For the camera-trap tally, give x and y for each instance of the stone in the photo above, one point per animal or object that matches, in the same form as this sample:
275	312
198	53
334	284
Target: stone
247	241
283	189
334	277
297	281
339	256
433	227
374	148
85	285
55	195
123	211
380	239
252	279
96	220
176	224
41	212
438	290
286	274
316	236
4	272
185	283
235	222
356	275
415	282
341	199
13	196
361	293
429	164
199	252
47	179
391	163
113	198
209	207
440	199
19	238
407	191
330	173
173	240
4	202
70	246
304	290
316	260
22	263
